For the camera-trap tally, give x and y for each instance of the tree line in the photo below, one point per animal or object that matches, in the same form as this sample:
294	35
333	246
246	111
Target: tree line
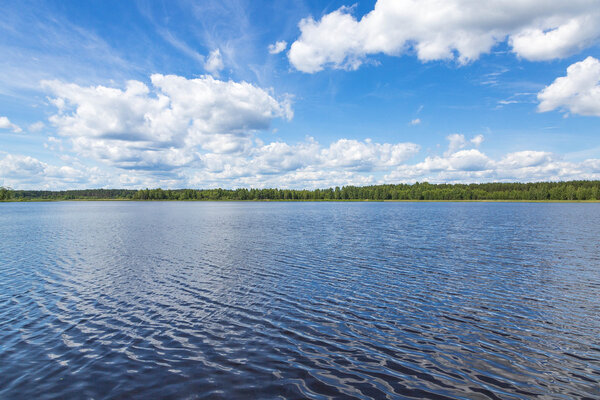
571	190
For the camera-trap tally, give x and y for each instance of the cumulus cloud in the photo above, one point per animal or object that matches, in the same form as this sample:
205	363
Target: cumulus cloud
182	131
469	160
456	141
523	159
472	165
277	47
280	158
463	160
6	124
307	164
214	63
367	155
202	130
20	171
446	30
578	92
165	126
17	166
415	121
301	165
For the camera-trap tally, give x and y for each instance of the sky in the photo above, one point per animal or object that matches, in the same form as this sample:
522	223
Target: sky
297	94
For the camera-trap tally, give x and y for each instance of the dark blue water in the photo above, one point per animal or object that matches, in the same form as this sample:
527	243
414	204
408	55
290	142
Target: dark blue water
299	300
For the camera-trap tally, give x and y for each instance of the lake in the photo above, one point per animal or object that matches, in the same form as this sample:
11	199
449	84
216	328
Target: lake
299	300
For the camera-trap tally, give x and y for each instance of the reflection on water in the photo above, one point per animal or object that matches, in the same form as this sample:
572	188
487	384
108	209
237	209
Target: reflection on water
296	300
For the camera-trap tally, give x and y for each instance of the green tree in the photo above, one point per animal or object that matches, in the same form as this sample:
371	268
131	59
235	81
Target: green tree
5	193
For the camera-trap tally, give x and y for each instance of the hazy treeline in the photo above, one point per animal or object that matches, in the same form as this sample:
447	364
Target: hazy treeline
572	190
86	194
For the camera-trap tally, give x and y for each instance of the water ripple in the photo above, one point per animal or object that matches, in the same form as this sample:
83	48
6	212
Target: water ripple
302	300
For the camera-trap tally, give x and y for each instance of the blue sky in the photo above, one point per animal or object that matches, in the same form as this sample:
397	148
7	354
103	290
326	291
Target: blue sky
297	94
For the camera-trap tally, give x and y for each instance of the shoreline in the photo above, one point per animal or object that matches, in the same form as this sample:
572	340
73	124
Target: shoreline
305	201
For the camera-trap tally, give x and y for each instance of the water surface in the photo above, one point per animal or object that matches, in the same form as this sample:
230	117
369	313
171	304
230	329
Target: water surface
299	300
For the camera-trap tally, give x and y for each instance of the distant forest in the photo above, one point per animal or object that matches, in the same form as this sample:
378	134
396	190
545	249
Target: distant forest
572	190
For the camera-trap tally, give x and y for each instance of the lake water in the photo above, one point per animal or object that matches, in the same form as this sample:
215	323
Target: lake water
299	300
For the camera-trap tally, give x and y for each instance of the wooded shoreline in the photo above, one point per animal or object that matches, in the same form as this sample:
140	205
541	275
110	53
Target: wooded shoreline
581	191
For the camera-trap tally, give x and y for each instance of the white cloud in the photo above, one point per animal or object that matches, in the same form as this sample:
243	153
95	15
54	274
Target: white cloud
347	162
19	171
471	165
415	121
556	40
279	158
592	164
182	131
477	167
6	124
477	140
463	160
24	172
54	144
578	92
445	30
469	160
277	47
307	164
166	126
456	142
37	126
524	159
214	63
366	155
17	166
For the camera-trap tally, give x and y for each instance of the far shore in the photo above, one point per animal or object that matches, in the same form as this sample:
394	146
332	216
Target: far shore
305	201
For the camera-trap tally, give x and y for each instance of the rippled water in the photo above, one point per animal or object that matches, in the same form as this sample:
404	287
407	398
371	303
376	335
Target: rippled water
295	300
